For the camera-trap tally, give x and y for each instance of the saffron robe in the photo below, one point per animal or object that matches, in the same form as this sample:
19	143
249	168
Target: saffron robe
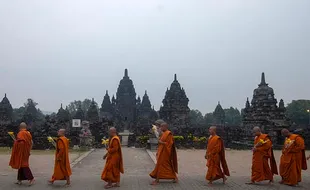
293	160
114	162
260	168
167	163
216	159
21	150
62	169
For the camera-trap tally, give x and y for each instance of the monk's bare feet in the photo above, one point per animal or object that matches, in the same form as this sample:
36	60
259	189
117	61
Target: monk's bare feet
108	186
116	185
176	180
210	183
31	182
224	180
18	182
155	182
67	185
270	182
50	182
250	183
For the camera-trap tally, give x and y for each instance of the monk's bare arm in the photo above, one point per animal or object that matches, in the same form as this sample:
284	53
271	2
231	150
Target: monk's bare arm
114	147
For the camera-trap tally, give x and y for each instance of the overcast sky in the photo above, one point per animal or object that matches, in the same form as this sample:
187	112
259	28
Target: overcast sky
59	51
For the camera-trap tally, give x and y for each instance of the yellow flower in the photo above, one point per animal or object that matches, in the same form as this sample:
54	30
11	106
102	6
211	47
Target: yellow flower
11	133
288	141
50	139
105	141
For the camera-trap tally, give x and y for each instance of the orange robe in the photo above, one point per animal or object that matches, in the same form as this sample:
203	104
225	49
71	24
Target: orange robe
293	160
260	168
114	162
62	169
21	150
167	164
216	158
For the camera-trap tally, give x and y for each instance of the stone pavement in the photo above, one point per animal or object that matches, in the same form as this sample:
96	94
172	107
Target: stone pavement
86	174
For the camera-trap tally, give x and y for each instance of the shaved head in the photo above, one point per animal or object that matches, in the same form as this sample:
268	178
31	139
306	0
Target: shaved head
112	132
61	132
23	125
159	122
112	129
164	126
285	132
212	130
257	131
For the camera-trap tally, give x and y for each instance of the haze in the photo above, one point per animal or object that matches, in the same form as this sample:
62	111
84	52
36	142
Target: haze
59	51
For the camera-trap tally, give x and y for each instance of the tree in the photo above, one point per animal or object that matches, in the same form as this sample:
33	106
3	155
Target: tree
297	111
73	106
209	119
31	113
232	116
18	113
196	118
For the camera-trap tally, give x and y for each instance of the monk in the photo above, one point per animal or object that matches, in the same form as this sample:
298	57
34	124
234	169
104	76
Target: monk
262	152
158	124
20	155
293	158
215	156
114	161
167	164
62	169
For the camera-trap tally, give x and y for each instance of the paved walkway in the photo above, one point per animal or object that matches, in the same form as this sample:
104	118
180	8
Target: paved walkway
137	163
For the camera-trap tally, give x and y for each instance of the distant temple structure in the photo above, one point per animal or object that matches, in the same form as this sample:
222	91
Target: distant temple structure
175	108
264	111
6	111
126	110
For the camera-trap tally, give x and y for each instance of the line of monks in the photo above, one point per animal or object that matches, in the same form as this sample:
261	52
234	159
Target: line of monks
292	162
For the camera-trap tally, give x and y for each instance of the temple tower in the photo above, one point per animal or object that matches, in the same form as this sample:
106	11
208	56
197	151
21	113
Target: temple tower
107	108
264	111
126	100
175	108
6	110
219	115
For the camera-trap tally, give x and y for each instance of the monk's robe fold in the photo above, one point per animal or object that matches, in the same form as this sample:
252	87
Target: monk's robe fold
167	163
260	168
216	159
62	168
114	162
21	150
293	160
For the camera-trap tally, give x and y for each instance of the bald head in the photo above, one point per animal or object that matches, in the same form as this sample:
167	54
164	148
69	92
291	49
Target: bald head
212	130
112	132
257	131
159	122
164	126
285	132
61	132
23	125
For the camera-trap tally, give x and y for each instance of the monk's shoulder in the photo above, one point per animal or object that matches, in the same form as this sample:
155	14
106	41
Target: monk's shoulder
264	136
217	137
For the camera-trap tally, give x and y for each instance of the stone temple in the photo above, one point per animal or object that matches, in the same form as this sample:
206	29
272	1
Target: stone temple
175	108
126	109
265	112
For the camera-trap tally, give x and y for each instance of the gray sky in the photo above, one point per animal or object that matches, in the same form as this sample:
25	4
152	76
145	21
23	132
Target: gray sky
59	51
